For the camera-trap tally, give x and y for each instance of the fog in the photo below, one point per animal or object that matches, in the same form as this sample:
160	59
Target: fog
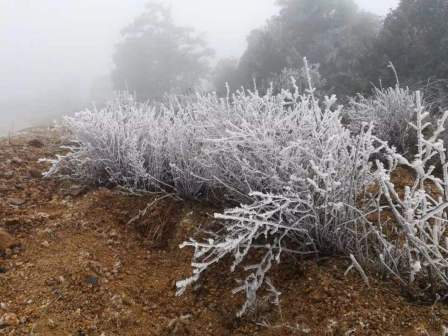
56	56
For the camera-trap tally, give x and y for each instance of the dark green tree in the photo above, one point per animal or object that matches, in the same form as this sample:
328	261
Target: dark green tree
155	56
331	33
415	39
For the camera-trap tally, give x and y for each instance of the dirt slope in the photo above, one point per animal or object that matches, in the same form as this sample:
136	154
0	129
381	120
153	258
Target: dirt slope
74	267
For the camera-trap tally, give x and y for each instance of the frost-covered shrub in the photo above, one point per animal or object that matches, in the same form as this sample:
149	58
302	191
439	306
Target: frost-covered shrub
253	148
114	145
288	158
305	176
415	247
261	143
194	146
330	206
135	145
391	111
305	182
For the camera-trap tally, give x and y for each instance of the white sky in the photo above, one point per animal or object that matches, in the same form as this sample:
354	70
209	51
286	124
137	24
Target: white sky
43	42
380	7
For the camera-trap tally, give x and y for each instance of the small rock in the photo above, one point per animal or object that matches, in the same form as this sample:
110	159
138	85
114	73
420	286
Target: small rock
34	173
17	160
9	320
51	324
42	216
19	186
113	233
36	143
16	201
77	190
45	243
92	280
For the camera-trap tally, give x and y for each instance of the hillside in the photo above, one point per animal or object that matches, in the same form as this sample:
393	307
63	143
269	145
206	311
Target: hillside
71	265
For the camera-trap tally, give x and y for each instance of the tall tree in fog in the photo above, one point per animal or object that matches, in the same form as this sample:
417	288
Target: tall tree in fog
331	33
156	56
415	39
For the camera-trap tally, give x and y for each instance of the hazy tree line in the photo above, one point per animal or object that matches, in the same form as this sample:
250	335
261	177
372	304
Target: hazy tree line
350	50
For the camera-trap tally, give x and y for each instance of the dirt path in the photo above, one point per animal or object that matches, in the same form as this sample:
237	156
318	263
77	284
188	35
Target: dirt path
76	268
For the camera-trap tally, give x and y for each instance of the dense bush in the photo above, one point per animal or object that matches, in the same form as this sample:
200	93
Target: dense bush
415	248
305	182
391	111
134	145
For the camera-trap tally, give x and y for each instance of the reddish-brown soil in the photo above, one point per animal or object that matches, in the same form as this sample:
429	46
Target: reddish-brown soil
76	268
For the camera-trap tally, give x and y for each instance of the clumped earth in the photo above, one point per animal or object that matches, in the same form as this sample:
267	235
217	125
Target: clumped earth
71	264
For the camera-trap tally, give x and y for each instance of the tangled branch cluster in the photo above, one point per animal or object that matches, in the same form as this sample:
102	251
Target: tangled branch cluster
304	182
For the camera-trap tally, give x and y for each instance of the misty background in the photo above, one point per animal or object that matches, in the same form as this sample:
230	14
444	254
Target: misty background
57	56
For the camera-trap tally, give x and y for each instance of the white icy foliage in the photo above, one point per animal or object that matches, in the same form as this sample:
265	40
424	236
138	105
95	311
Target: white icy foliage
419	249
303	173
135	145
391	110
303	180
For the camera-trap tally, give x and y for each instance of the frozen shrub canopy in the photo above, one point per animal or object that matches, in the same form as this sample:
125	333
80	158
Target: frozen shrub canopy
391	110
302	176
420	251
303	181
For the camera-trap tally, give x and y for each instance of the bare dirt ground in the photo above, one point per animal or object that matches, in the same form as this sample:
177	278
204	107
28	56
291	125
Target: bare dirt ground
70	265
